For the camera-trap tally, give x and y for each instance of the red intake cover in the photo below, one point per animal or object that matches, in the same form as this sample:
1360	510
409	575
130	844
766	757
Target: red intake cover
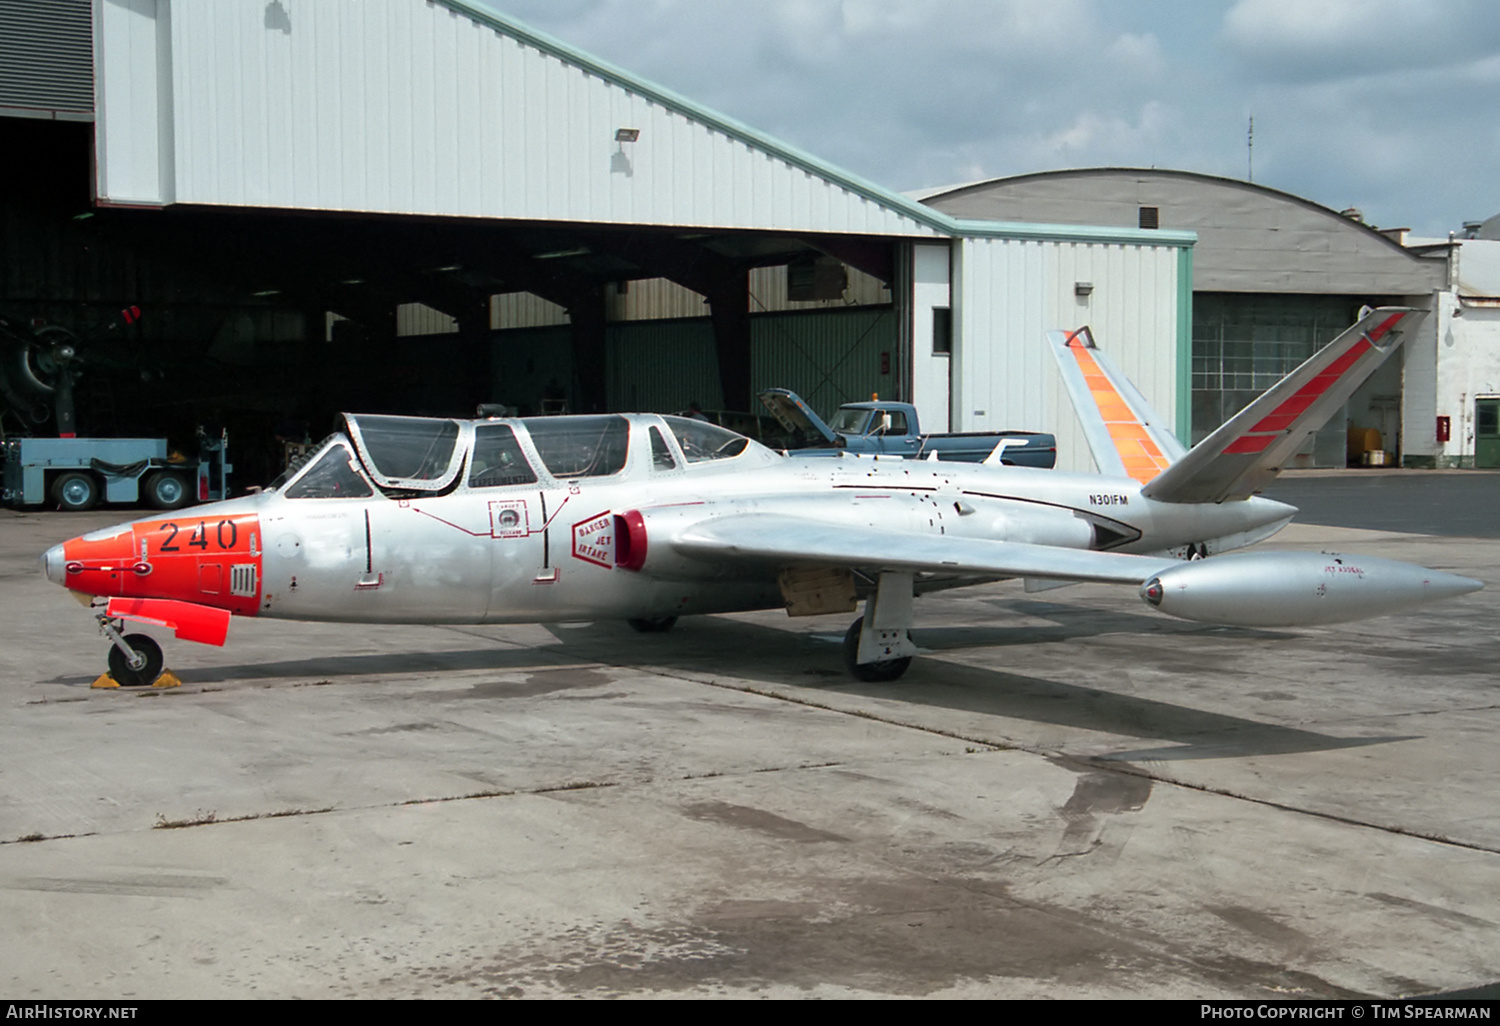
630	540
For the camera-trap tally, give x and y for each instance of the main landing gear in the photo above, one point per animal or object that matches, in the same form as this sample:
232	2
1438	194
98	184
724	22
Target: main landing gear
135	660
883	650
879	671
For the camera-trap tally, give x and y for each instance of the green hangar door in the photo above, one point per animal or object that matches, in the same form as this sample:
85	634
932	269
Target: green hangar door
1487	433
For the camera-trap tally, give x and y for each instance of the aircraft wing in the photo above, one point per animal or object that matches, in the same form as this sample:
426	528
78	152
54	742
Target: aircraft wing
1248	452
773	539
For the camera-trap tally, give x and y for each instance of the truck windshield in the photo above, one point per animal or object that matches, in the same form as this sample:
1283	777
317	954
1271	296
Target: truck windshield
849	421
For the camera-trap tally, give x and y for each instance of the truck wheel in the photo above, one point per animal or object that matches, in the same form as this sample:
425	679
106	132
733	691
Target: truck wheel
75	493
166	489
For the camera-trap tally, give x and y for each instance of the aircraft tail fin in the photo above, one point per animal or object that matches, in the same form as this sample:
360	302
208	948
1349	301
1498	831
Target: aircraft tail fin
1125	435
1251	448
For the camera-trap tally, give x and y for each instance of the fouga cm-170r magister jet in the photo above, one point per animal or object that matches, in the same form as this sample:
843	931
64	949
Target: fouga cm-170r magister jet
647	518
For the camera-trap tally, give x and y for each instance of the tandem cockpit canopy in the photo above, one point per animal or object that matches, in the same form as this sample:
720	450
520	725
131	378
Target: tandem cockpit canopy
414	456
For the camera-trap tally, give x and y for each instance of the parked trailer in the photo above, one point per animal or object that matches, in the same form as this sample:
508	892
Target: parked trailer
78	473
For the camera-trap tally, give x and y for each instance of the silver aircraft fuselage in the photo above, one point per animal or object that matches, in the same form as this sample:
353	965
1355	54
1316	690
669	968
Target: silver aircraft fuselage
493	548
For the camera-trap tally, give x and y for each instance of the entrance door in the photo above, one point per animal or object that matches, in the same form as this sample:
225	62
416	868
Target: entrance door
1487	433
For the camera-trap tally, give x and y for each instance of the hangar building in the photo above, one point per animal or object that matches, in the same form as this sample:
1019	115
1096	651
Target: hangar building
1275	277
373	204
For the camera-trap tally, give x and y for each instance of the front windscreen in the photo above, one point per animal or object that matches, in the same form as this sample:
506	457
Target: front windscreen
580	446
331	476
295	463
407	452
701	441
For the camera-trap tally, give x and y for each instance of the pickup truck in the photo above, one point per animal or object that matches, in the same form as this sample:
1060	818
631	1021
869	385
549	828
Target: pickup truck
890	428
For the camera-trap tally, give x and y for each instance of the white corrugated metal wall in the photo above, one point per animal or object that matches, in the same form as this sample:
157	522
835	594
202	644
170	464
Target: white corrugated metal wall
931	268
1012	291
410	107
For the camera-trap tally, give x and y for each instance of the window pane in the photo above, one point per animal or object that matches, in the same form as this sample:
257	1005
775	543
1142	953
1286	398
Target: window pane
580	446
1488	419
701	442
408	448
661	453
332	477
498	460
942	331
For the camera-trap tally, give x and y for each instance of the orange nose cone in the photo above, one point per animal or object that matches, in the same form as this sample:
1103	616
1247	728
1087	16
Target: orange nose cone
214	561
102	563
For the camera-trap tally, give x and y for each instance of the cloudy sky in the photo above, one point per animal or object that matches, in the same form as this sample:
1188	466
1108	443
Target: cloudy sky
1392	106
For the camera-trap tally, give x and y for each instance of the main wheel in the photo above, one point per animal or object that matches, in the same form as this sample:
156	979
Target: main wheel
166	489
120	670
656	625
872	673
75	492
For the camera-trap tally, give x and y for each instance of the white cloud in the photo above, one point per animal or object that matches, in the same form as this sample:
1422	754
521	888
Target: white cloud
1318	24
1133	54
1104	139
995	25
1326	38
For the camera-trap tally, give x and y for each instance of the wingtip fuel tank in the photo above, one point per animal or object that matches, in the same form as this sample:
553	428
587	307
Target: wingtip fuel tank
1291	589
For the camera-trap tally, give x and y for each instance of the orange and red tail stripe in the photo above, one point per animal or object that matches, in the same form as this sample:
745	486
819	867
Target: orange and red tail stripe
1141	456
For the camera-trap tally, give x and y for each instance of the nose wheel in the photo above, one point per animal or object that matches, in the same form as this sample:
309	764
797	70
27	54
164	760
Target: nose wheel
144	669
135	660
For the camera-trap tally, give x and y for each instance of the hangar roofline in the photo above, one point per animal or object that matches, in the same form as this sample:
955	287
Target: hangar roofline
950	191
714	119
917	211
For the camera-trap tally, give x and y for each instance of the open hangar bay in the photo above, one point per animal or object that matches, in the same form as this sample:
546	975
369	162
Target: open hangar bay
1068	796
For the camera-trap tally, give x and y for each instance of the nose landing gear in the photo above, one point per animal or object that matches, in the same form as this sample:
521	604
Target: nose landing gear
135	660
